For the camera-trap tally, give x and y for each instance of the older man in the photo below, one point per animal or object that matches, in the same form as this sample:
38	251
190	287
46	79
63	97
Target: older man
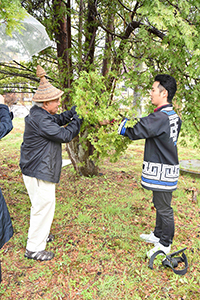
41	161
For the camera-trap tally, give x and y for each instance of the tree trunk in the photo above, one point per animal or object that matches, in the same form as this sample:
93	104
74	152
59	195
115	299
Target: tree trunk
79	156
107	49
80	35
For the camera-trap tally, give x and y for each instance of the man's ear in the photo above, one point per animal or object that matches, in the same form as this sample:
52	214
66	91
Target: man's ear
45	104
165	93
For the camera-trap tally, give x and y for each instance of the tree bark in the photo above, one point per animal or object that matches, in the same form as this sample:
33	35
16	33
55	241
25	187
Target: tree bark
107	50
79	156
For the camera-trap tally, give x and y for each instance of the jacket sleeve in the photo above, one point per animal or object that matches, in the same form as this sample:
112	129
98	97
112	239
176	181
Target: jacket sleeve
147	127
5	120
50	130
65	117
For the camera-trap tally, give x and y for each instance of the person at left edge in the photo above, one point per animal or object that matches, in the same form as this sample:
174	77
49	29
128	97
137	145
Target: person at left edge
6	229
41	161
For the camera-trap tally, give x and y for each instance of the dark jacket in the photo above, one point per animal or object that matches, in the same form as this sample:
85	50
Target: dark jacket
6	229
5	120
161	166
41	151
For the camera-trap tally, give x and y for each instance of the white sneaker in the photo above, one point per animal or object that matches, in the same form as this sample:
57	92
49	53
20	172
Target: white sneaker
157	247
149	238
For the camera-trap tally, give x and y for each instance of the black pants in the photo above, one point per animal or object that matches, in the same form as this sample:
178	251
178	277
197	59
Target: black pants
164	228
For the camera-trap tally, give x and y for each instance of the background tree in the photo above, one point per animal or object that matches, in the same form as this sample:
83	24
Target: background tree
99	43
11	14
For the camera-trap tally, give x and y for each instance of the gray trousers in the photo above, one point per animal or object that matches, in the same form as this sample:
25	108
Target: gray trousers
164	228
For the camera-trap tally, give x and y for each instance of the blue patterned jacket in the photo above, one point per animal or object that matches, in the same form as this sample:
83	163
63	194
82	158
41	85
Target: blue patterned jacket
161	130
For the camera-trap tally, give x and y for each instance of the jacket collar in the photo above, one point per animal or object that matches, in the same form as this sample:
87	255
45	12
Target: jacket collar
37	108
163	106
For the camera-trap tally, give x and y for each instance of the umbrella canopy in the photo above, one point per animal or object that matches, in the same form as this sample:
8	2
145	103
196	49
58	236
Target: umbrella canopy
22	46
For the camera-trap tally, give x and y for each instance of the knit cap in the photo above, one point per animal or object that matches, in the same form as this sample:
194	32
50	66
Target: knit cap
46	91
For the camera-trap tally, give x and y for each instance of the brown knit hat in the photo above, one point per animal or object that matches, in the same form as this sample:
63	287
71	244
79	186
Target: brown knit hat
45	91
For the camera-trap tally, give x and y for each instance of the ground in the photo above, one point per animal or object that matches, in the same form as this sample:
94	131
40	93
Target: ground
97	223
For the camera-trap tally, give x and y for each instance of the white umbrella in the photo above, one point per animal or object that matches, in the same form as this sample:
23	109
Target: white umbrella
22	46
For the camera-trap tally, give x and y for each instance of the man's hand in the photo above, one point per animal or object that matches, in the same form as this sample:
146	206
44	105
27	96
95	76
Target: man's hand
104	122
2	100
73	110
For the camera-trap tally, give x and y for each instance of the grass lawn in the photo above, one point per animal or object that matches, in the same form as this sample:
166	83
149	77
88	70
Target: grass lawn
97	223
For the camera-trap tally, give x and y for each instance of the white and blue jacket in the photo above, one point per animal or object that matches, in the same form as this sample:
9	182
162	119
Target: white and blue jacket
161	130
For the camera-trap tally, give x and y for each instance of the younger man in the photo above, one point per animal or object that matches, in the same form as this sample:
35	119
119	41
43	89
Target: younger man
161	166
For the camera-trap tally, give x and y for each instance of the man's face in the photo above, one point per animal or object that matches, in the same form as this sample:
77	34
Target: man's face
52	106
157	97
